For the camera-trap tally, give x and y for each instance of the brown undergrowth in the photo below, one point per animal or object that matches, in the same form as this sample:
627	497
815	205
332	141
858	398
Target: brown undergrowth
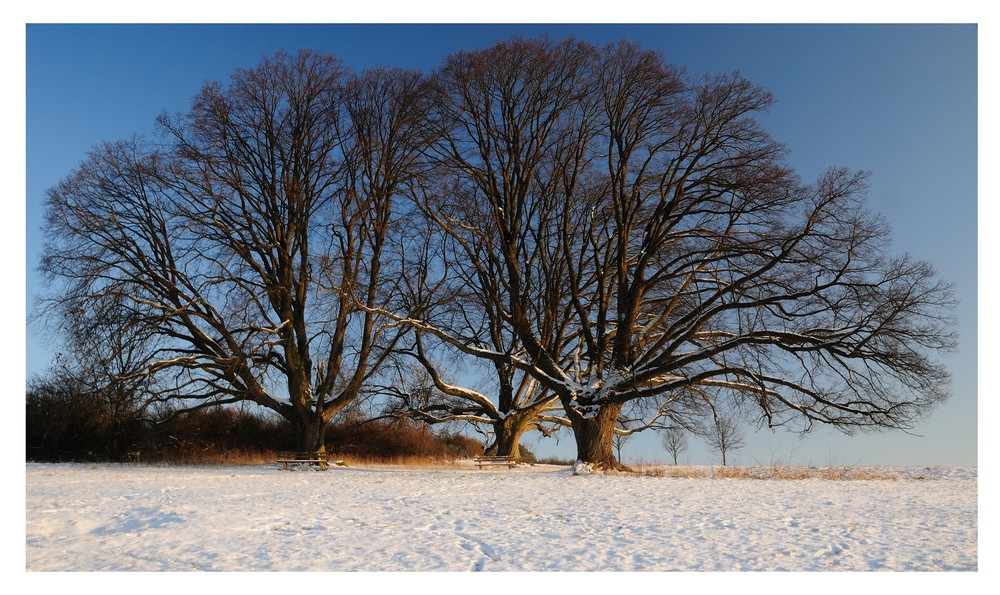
268	457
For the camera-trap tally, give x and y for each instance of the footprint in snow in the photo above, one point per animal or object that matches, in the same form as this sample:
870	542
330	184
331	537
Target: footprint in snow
470	543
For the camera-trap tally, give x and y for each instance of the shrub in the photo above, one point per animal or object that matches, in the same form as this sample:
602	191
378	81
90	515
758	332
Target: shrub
461	446
389	440
65	422
213	435
526	455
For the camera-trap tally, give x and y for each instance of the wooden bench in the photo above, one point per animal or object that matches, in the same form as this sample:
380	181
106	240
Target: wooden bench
483	460
289	460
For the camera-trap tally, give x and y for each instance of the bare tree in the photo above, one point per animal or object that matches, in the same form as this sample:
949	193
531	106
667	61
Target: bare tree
251	239
674	441
649	243
501	114
724	435
463	308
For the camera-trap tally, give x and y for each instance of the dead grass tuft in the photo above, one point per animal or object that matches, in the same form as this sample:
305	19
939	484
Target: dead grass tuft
768	472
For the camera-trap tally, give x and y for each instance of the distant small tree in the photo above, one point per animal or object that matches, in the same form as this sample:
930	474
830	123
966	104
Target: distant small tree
619	440
675	442
724	435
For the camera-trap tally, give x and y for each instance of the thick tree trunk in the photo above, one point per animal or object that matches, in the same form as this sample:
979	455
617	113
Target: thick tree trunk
507	434
595	437
310	434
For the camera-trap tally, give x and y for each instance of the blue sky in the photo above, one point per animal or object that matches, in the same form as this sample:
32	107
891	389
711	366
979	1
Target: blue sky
898	100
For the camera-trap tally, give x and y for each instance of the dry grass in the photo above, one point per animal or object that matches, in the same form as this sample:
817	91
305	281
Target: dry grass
268	457
237	457
766	472
415	461
213	457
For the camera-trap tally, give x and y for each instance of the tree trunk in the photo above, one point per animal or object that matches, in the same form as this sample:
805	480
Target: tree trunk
310	434
595	437
507	434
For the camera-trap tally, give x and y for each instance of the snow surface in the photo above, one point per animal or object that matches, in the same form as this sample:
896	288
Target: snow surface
155	518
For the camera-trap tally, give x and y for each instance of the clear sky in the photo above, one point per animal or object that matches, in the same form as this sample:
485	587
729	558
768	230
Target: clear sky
900	101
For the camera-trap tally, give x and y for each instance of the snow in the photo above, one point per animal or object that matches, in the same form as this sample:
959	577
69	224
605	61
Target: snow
531	518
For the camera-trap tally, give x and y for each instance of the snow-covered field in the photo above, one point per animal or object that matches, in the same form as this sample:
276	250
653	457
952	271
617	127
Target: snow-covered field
151	518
